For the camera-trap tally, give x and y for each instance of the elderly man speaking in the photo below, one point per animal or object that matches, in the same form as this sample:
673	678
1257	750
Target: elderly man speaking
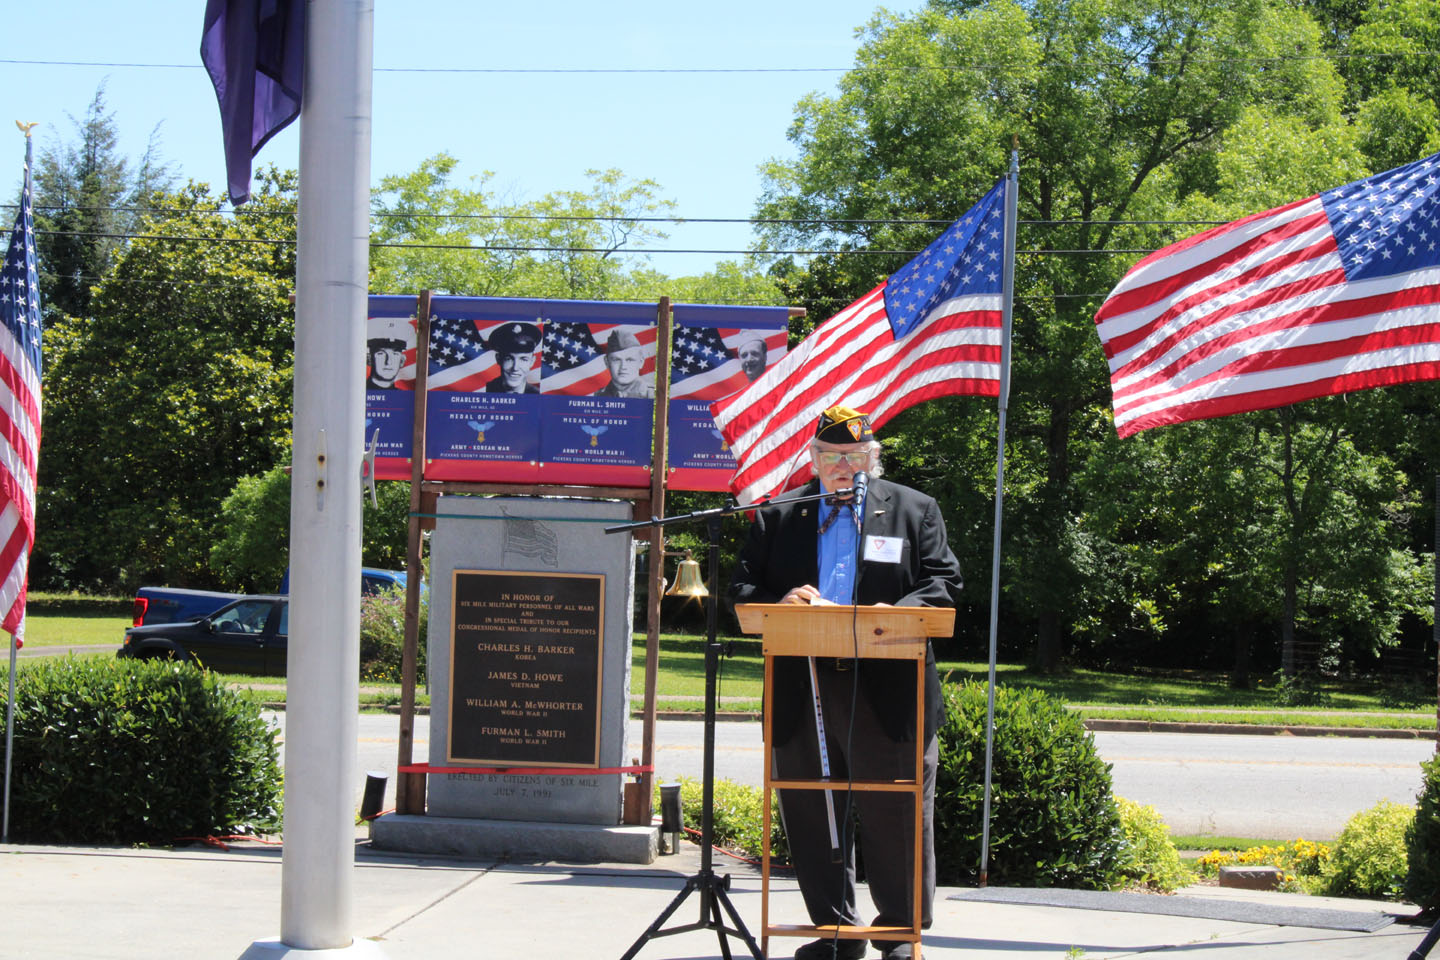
810	553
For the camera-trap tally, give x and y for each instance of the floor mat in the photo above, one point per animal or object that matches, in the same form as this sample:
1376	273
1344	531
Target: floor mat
1205	908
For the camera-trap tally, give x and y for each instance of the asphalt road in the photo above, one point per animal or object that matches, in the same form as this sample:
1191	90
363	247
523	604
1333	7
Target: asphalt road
1271	787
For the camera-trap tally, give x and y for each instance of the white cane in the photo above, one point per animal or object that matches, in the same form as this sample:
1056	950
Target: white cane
824	761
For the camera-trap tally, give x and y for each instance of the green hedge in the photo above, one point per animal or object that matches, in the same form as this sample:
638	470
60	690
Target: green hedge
382	635
737	820
1054	820
78	605
1368	858
1150	858
1422	842
129	751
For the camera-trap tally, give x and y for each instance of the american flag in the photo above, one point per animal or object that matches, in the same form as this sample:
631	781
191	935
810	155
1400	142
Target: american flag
19	410
574	355
459	359
531	538
1326	295
705	365
932	329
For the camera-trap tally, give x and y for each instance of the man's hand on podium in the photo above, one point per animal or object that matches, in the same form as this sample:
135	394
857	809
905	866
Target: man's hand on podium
803	594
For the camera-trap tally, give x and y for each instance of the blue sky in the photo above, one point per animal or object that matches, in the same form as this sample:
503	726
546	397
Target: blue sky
702	136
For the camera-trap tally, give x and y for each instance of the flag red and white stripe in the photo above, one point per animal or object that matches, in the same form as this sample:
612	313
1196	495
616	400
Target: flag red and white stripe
933	329
19	411
1326	295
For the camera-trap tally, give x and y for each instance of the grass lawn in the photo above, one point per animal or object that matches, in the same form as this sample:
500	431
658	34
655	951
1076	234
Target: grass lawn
1175	696
99	629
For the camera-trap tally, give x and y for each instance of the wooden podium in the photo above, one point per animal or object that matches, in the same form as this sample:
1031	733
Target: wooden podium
890	633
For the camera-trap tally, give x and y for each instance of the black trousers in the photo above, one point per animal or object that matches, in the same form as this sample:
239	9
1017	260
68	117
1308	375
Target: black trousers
886	818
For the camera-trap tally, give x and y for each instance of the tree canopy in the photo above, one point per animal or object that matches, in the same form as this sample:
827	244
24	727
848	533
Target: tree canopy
1137	123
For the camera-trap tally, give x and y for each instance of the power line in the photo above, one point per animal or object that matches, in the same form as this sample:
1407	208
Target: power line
150	281
532	248
981	65
676	219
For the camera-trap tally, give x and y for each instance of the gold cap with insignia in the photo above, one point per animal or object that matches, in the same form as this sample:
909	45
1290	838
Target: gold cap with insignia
843	425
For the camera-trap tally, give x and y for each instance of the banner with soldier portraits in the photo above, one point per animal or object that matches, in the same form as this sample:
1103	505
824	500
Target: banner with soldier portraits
390	383
542	391
559	391
715	351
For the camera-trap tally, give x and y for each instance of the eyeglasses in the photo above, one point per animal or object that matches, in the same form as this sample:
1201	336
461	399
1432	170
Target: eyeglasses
856	459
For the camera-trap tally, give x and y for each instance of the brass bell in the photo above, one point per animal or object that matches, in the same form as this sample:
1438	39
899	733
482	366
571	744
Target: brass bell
688	582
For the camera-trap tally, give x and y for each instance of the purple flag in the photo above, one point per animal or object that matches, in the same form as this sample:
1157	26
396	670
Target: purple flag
254	51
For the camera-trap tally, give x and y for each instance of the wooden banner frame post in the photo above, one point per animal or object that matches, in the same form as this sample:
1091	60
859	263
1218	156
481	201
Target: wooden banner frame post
410	786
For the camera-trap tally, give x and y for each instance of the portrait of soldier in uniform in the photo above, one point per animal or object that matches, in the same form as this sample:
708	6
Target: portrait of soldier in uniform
514	345
386	346
625	358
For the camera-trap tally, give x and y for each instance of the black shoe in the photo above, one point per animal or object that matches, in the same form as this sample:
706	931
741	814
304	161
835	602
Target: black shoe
831	949
890	950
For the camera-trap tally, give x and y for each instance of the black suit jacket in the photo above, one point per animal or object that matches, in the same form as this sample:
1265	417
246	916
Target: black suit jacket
781	552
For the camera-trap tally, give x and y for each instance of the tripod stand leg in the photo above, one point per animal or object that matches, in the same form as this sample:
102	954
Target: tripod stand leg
655	928
718	922
739	930
1423	950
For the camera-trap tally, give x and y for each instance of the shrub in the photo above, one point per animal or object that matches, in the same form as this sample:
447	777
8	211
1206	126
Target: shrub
1054	821
1301	690
736	822
1422	842
130	751
1150	858
382	635
1369	855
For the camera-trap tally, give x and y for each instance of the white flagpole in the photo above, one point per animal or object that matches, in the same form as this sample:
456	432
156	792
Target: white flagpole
1007	308
10	709
331	296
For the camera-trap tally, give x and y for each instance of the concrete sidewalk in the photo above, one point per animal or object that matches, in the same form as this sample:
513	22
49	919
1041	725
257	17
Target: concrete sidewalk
201	903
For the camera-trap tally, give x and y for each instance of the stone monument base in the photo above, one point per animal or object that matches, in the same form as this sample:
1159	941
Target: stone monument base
471	837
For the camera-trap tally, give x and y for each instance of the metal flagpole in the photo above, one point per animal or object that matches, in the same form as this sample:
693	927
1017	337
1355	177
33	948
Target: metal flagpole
332	258
10	697
1007	308
10	700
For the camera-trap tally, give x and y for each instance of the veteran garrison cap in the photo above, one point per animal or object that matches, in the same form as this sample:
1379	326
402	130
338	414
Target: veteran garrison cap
621	340
843	425
514	338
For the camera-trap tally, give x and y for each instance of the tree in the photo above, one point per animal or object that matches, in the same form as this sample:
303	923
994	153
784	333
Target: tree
463	240
86	200
1122	109
176	383
252	536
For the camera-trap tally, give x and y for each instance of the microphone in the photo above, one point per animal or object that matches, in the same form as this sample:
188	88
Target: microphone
859	484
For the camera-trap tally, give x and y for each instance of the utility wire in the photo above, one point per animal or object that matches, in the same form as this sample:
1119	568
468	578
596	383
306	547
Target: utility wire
524	248
854	68
215	284
583	218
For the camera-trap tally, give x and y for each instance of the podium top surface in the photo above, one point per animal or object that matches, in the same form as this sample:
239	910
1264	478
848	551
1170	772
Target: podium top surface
824	630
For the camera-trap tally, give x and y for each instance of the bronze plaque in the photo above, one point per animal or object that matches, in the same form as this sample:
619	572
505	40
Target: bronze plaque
525	655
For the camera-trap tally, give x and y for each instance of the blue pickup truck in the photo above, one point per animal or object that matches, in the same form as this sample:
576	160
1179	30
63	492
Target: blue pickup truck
247	635
176	604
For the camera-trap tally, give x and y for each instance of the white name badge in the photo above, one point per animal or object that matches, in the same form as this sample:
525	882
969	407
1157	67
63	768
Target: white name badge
883	549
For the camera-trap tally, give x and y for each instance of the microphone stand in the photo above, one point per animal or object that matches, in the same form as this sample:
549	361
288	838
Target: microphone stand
710	887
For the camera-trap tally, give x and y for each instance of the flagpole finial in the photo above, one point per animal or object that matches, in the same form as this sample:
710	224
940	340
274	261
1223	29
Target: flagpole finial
1015	142
25	128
